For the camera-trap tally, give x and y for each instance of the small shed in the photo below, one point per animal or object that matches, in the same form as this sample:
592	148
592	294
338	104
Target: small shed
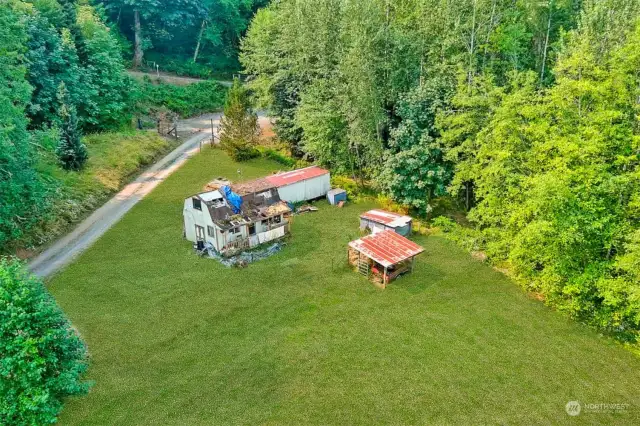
380	220
383	256
336	195
302	184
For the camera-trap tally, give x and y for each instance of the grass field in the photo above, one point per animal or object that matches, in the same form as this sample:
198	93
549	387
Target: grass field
300	338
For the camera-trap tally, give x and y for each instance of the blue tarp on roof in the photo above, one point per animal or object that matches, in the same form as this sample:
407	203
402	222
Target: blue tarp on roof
234	200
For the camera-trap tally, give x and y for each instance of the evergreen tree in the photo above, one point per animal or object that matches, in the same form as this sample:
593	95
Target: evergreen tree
72	153
239	126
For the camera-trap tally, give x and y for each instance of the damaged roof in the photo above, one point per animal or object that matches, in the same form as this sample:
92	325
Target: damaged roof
387	248
259	205
252	186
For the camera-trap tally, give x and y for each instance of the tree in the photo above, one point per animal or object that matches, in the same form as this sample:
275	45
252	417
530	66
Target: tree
71	151
96	80
239	126
414	170
43	357
52	59
134	12
22	192
107	97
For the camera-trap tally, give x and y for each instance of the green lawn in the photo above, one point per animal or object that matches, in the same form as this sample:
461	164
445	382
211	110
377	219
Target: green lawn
300	338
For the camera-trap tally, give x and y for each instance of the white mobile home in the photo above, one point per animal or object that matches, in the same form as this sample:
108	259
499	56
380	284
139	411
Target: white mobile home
302	184
231	222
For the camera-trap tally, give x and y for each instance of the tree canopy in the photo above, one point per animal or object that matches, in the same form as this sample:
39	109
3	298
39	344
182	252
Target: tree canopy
43	358
197	31
526	112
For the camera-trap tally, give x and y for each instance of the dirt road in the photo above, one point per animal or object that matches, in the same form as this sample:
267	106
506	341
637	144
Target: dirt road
172	79
86	233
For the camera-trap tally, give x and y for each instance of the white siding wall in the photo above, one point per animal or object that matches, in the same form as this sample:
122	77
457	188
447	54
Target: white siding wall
193	217
306	190
376	227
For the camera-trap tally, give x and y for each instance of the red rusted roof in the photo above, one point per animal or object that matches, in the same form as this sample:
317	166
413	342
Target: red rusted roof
294	176
387	218
387	248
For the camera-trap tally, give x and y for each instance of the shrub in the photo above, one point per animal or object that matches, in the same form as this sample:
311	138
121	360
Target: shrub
346	183
187	101
445	224
468	238
387	203
43	358
279	157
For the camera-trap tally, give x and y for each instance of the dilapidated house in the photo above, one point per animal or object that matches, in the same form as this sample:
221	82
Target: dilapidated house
237	217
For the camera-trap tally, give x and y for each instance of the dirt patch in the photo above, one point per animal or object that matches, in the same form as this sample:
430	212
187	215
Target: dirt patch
267	134
479	255
170	78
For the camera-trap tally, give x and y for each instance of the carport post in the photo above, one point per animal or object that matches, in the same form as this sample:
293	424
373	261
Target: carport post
413	263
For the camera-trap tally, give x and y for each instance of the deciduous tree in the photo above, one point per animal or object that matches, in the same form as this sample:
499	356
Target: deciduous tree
43	357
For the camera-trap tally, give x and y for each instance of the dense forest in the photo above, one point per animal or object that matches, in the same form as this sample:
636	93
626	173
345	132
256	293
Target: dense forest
527	113
64	83
190	37
62	74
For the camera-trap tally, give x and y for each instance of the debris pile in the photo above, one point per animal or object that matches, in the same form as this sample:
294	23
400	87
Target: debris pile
242	260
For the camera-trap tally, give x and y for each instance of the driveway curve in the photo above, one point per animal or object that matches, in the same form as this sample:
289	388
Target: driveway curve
65	250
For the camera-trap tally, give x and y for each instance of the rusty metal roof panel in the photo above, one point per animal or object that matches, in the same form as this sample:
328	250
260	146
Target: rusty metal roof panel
387	248
294	176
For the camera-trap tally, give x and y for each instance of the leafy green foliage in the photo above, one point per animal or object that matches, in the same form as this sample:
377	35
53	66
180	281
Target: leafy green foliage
43	358
346	183
415	171
278	157
528	111
52	60
187	101
335	72
107	105
23	193
81	53
555	173
190	37
239	126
